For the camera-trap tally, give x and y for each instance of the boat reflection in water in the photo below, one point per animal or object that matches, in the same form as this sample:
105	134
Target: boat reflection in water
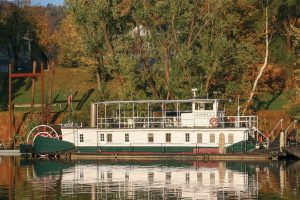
83	180
168	180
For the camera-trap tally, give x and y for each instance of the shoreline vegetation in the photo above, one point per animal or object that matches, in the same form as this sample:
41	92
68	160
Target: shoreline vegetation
129	50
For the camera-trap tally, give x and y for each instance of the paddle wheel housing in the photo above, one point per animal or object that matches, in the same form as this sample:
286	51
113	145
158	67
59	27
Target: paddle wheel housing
41	130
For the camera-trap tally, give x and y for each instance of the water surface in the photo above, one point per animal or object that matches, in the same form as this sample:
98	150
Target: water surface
58	179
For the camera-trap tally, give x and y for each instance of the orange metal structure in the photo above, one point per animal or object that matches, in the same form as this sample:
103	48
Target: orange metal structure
23	75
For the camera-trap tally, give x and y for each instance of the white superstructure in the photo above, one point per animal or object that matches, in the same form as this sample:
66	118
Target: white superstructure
130	126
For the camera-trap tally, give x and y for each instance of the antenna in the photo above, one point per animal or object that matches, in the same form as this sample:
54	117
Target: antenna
194	90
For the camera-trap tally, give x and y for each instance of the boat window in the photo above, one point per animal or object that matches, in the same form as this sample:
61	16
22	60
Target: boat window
126	137
168	137
199	138
199	106
230	138
212	138
109	137
209	106
187	137
102	137
150	137
81	137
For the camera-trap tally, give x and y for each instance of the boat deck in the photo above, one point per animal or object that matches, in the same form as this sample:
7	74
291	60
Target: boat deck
163	156
293	150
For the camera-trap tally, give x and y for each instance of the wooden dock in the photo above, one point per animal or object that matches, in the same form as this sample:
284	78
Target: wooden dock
293	150
10	153
199	157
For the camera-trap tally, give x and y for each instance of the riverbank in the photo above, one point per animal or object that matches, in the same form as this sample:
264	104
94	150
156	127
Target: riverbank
157	157
10	153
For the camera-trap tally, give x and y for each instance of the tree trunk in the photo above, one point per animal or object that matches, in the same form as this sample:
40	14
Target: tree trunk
167	72
51	66
209	77
261	69
32	89
150	80
149	77
289	43
98	80
106	37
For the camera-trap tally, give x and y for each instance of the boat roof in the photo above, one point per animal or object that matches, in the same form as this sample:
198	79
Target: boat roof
158	101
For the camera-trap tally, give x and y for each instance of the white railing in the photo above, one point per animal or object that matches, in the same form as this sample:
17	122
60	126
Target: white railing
279	123
176	122
263	135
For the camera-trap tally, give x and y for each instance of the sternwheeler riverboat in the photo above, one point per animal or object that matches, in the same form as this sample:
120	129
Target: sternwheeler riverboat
193	126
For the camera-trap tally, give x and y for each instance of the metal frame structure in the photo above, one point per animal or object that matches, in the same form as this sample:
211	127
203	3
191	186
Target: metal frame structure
23	75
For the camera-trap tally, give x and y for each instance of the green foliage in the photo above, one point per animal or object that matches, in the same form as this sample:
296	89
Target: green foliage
161	49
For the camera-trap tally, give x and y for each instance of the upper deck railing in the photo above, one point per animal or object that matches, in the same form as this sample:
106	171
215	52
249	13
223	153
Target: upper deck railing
191	113
171	122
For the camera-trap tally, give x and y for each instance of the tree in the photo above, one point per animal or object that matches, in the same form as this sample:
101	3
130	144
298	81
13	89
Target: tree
44	31
248	102
71	50
15	30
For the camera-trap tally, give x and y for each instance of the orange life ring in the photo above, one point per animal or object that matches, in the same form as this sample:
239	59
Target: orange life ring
213	121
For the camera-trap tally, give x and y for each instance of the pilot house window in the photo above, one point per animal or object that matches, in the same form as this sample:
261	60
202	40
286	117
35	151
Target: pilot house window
204	106
209	106
199	106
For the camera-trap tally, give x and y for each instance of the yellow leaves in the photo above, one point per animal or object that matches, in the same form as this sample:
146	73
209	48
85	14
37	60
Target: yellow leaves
72	52
123	8
45	35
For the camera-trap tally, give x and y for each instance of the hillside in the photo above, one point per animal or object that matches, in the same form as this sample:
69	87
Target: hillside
77	82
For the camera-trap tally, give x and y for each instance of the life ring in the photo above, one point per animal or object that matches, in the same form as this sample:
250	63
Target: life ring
231	119
213	121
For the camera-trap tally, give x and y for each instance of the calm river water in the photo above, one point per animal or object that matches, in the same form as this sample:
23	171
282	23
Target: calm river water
58	179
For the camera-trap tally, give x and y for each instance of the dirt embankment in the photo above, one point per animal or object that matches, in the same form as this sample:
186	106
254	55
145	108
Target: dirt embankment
269	118
18	121
4	116
20	126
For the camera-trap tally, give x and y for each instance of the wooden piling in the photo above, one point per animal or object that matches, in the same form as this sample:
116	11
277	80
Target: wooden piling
9	103
32	89
42	93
